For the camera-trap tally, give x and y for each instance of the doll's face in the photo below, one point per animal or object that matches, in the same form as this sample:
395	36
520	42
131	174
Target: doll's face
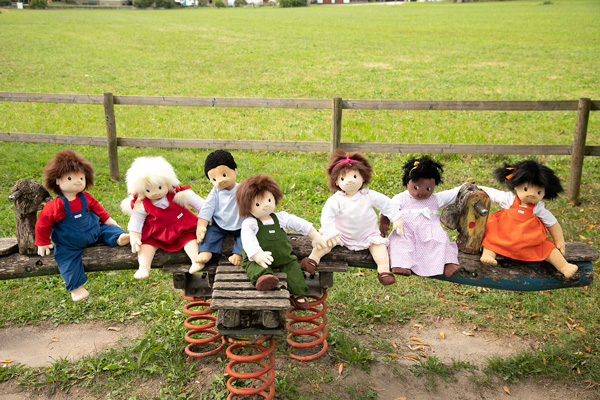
350	181
222	177
157	192
263	205
72	182
530	194
421	189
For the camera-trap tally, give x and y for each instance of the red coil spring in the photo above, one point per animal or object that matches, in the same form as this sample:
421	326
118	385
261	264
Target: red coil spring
252	359
321	338
201	315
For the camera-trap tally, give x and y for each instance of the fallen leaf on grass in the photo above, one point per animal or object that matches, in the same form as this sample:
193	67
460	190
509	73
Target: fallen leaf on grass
579	328
114	328
359	274
411	357
7	361
400	398
442	335
393	355
506	390
414	339
135	313
55	339
462	304
415	347
536	315
554	331
468	333
551	304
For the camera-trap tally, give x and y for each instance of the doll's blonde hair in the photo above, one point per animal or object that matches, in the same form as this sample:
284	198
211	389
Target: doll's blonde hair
155	171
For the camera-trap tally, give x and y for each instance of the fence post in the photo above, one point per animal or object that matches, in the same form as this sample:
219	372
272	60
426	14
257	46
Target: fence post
578	150
111	136
336	124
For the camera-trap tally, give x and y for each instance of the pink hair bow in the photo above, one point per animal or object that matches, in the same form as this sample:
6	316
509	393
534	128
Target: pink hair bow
346	160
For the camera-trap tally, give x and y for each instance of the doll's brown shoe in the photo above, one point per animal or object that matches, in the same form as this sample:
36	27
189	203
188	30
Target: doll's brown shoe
309	265
300	305
401	271
266	282
386	278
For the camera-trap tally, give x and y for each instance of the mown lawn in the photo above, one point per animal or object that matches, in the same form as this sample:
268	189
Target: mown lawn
519	50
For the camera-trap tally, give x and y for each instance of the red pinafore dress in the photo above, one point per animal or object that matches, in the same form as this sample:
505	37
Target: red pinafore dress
517	233
168	229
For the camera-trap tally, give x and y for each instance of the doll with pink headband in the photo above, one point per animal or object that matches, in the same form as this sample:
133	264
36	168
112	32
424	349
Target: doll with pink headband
348	214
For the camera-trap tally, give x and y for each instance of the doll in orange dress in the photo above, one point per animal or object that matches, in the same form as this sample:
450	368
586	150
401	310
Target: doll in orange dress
518	231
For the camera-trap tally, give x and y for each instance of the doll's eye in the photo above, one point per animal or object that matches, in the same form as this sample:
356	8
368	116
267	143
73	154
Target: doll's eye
214	179
269	200
224	175
342	179
429	189
355	176
540	193
415	187
148	190
257	204
81	178
525	189
69	178
160	188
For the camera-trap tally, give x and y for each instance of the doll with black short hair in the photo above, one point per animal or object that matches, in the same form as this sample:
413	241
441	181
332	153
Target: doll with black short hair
423	246
219	215
74	220
519	230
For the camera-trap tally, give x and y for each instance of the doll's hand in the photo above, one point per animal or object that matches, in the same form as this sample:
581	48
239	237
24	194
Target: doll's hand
44	250
111	221
398	226
135	240
201	229
263	258
334	241
560	246
317	239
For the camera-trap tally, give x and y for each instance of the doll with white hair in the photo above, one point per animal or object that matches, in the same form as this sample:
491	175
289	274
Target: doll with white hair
160	217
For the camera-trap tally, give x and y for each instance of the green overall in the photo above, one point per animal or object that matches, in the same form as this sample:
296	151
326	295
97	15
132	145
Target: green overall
274	239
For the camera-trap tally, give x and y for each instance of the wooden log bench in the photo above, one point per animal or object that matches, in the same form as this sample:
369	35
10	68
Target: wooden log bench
233	295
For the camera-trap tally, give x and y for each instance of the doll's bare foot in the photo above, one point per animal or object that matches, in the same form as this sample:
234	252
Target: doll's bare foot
568	270
79	294
235	259
309	265
488	257
451	269
123	239
142	273
196	267
266	282
401	271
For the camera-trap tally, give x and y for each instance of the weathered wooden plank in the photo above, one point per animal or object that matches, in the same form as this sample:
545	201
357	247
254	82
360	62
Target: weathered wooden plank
451	148
52	98
250	304
461	105
223	102
250	294
272	145
54	139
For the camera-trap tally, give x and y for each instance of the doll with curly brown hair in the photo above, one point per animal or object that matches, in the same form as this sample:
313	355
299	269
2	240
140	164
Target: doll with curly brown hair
74	220
265	244
348	214
519	230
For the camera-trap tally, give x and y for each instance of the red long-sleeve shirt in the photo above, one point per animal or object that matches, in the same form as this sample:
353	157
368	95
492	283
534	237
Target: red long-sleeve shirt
54	211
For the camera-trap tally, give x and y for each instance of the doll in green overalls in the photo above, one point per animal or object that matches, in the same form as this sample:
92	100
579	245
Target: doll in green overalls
265	244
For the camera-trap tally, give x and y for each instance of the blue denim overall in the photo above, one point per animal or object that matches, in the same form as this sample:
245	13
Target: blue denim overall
73	234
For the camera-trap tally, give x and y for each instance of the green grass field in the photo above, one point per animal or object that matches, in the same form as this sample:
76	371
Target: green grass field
518	50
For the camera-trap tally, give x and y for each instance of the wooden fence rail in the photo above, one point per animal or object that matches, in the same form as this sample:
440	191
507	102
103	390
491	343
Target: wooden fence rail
578	150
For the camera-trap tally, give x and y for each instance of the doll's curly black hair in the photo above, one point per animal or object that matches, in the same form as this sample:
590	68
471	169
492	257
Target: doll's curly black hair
532	172
217	158
423	167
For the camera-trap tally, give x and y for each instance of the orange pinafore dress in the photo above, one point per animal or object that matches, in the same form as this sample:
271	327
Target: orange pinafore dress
517	233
